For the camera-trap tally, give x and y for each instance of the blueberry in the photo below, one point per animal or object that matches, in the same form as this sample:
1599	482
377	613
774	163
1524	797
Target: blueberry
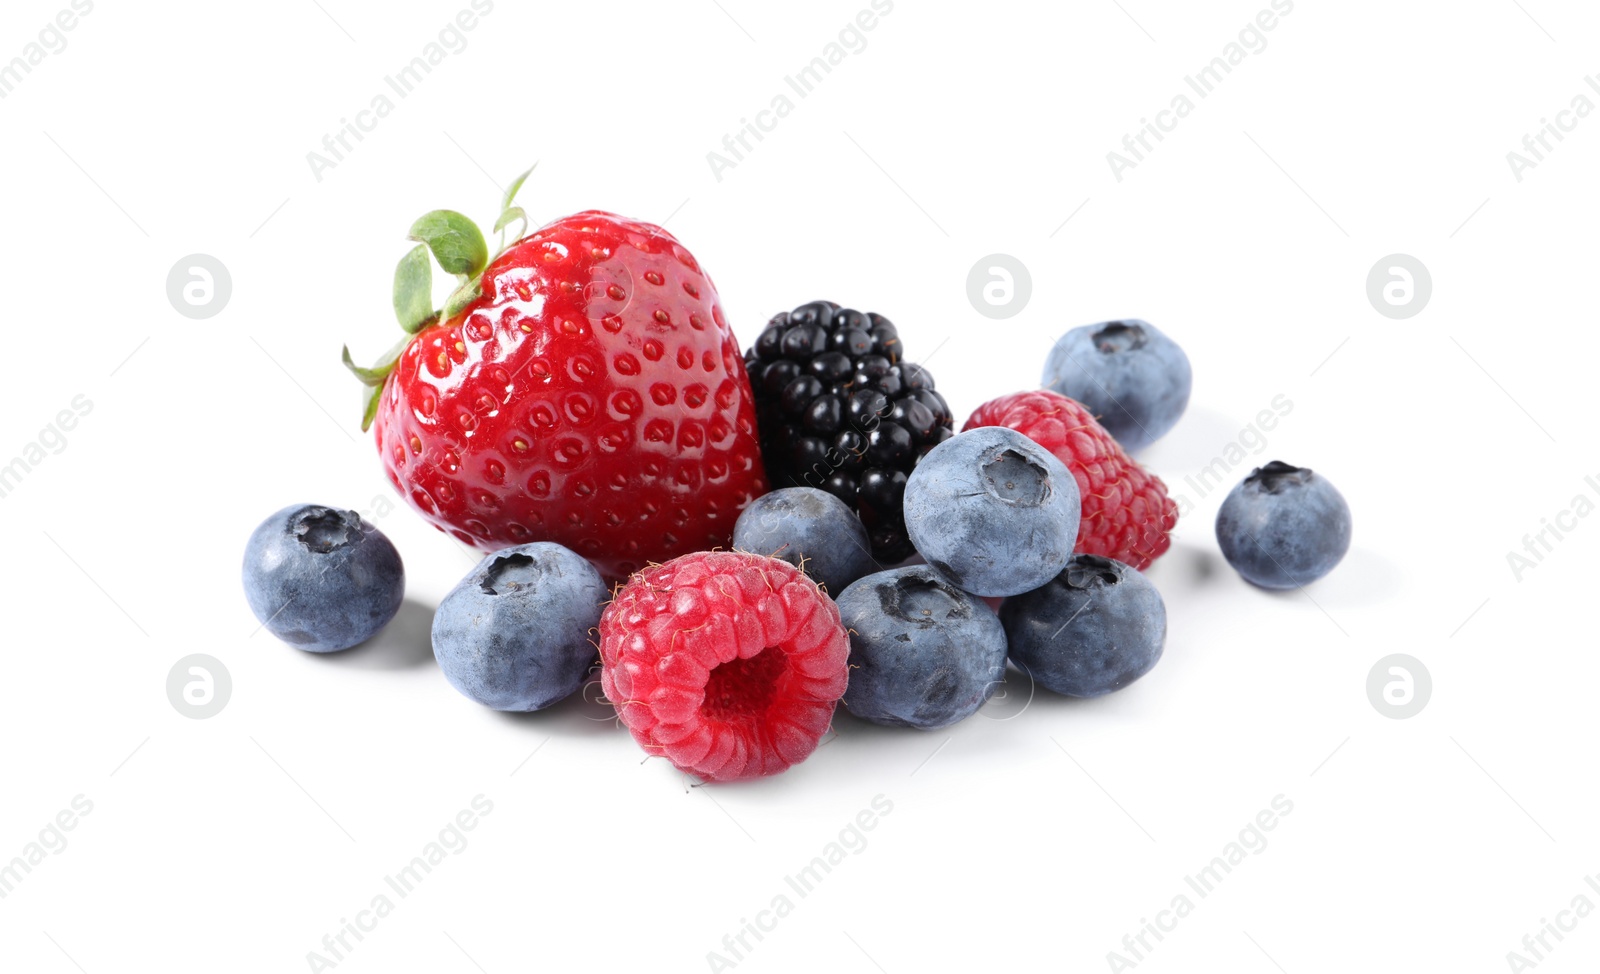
1133	378
923	653
322	579
992	511
803	523
1283	527
515	633
1094	628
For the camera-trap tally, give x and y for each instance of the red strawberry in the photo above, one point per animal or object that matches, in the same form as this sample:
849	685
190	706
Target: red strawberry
583	388
1126	511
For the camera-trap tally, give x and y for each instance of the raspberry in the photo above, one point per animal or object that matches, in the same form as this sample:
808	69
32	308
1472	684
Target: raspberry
1126	511
728	664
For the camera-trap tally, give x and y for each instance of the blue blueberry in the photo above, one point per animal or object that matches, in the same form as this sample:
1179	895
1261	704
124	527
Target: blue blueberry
805	524
1283	527
923	653
994	512
322	579
1094	628
1133	378
515	633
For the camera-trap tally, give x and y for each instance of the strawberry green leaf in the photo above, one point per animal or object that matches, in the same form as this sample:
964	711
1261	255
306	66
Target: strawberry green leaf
373	397
514	213
516	184
368	377
456	242
413	290
379	373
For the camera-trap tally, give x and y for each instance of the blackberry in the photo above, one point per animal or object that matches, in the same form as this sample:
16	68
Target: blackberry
839	410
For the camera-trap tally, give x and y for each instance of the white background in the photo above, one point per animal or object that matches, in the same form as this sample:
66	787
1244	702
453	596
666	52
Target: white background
1362	129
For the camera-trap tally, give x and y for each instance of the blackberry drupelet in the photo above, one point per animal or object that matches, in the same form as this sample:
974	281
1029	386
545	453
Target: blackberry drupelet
839	410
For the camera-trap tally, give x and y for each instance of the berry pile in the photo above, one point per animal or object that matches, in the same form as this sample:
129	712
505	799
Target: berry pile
840	410
580	409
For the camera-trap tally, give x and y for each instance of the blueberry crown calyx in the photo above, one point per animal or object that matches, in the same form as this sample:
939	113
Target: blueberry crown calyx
323	529
1089	571
1119	336
1277	475
508	573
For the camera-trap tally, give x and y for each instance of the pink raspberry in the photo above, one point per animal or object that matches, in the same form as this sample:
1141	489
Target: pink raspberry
728	664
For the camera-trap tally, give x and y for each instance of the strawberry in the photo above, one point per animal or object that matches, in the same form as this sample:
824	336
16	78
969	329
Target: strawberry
581	387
